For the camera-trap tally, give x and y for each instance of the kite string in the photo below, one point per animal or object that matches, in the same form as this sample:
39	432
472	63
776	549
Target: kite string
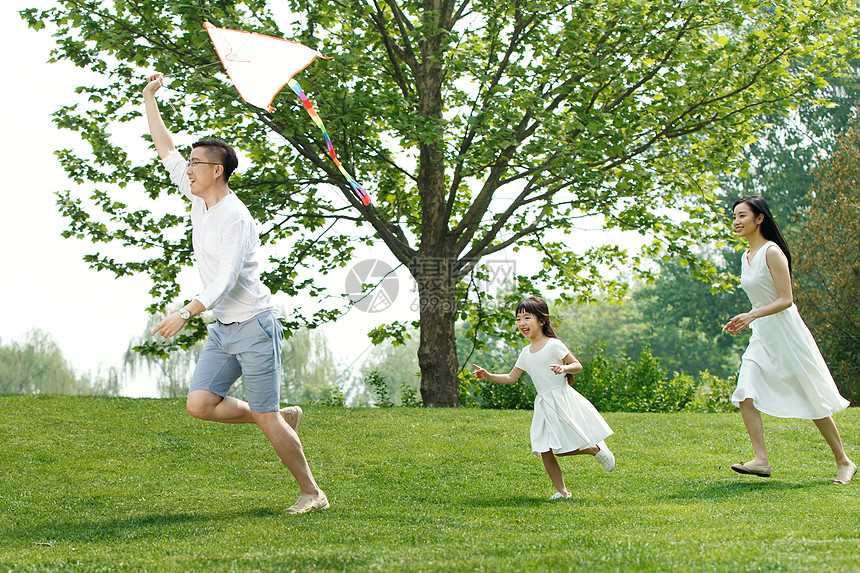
309	107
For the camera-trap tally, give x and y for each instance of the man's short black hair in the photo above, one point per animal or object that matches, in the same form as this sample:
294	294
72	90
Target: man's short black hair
223	152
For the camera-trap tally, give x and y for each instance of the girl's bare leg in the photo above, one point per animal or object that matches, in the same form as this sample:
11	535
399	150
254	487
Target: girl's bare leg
591	450
554	471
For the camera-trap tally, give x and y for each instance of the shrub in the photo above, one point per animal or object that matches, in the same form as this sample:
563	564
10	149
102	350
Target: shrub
331	396
600	378
519	396
469	390
622	385
409	397
714	394
376	382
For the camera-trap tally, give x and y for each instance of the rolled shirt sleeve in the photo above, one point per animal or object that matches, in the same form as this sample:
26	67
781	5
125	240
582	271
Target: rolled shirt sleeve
177	168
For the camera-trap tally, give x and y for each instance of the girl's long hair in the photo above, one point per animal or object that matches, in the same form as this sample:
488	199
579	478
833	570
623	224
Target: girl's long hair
537	307
769	228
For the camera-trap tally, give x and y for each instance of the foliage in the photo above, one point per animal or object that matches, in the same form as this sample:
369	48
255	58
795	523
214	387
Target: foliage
624	385
617	325
332	397
308	366
36	366
476	125
469	387
376	382
682	317
307	362
714	394
397	364
784	155
409	396
85	490
107	383
827	264
518	396
173	365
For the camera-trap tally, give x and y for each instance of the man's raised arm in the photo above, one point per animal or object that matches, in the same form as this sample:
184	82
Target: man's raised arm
160	135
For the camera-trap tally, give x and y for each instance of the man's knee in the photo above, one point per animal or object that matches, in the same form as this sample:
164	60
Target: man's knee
201	403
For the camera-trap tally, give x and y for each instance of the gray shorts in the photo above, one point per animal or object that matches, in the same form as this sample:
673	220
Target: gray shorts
251	349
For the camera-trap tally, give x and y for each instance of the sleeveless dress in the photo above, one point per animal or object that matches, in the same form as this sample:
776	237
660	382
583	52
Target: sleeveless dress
782	369
564	420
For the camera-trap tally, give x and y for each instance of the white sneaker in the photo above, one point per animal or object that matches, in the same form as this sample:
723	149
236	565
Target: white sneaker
605	457
293	416
557	495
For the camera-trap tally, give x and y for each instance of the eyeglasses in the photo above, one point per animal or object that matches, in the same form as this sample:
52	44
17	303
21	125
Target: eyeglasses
193	164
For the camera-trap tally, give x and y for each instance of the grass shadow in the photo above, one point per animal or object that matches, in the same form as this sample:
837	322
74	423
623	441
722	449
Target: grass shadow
723	491
509	501
138	526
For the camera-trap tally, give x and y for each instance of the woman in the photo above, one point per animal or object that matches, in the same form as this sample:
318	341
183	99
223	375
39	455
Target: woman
782	372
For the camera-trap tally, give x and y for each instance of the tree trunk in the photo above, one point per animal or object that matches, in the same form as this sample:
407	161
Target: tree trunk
437	350
433	266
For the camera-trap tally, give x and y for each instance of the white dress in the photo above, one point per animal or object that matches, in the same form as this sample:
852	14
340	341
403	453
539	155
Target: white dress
564	420
782	369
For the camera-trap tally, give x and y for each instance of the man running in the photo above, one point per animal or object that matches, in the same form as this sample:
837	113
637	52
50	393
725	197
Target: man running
245	340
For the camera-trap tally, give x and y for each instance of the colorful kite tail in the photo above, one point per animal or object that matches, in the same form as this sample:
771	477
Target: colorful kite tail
356	186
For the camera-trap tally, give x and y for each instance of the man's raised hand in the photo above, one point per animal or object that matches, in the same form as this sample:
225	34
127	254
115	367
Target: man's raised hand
153	83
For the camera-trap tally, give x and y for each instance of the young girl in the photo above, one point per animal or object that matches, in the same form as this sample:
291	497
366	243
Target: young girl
782	372
564	422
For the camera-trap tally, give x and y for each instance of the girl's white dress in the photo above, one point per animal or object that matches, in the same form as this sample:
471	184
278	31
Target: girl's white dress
564	420
782	369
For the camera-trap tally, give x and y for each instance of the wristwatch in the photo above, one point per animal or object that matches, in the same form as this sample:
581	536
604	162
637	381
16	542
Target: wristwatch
184	314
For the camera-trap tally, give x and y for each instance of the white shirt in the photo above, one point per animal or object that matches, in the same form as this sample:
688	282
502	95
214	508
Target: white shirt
537	365
225	246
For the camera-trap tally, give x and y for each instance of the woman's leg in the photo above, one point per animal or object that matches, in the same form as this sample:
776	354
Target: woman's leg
554	471
755	429
845	468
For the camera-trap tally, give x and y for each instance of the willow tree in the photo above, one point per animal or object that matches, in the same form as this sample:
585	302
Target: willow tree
476	125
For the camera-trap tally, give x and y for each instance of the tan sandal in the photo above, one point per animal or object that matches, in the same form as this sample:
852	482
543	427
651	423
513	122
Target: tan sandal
850	477
761	471
307	503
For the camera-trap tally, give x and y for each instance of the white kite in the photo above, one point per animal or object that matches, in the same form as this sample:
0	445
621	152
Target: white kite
260	66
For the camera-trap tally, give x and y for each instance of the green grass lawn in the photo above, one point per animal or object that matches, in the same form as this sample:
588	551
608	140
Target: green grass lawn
116	484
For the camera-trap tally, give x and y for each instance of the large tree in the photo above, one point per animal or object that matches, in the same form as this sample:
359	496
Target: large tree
827	263
476	125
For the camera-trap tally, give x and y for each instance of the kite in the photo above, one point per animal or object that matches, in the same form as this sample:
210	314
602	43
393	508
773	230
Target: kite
260	66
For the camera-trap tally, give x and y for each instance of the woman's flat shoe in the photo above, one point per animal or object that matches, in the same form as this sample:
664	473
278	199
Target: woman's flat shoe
850	477
307	503
761	471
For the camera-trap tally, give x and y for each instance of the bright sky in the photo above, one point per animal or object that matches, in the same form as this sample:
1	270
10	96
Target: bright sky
46	285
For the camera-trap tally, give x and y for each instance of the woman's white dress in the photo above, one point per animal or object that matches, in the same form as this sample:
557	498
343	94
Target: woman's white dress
782	369
564	420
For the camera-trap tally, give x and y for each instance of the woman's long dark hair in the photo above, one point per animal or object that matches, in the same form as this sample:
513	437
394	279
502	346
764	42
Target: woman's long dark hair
537	307
769	228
